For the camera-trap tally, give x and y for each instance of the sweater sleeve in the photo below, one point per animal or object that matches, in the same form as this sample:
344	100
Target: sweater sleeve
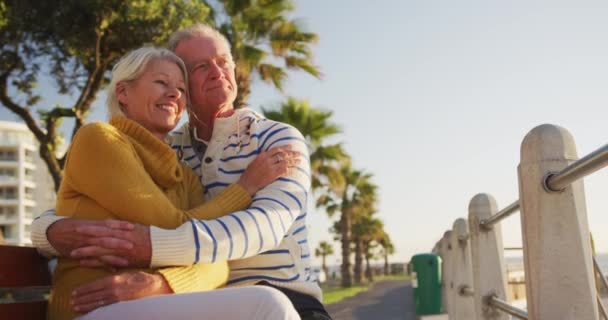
276	210
198	277
101	159
38	235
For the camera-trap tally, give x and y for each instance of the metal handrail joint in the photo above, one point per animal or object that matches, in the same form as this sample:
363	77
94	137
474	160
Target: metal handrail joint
509	210
504	306
583	167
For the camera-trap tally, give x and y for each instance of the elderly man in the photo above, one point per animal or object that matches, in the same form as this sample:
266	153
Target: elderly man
265	244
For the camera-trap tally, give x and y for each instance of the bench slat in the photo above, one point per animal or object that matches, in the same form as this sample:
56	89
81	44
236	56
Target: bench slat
25	270
24	310
22	266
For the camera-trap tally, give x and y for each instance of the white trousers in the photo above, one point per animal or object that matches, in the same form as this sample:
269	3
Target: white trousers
255	302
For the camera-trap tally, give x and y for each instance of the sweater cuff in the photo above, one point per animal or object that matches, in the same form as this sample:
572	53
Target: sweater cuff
38	234
180	278
233	198
175	247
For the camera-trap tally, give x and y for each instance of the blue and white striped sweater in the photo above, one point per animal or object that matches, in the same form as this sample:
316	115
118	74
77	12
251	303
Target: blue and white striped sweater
268	241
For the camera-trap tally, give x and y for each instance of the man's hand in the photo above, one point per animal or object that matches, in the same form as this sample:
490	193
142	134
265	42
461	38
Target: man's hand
116	288
62	235
103	242
267	167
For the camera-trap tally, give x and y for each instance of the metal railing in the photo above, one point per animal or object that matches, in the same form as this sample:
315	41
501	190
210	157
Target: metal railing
481	250
604	283
506	307
509	210
578	169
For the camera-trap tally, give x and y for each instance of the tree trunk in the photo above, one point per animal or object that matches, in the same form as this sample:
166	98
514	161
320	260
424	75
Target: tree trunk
324	266
358	260
386	271
347	278
368	270
243	82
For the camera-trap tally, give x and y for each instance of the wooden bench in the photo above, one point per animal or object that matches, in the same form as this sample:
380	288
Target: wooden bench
25	283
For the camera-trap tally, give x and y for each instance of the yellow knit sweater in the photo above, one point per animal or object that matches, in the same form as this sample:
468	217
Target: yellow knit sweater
121	171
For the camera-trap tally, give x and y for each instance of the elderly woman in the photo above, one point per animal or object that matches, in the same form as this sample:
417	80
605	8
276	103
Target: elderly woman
124	170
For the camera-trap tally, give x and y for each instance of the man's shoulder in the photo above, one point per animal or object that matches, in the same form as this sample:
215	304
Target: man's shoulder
179	136
264	124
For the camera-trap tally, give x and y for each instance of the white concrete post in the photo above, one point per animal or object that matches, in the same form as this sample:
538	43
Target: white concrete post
487	254
463	305
557	252
442	249
449	269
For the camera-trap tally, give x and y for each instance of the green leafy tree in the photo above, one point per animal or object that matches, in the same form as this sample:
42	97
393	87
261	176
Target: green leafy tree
3	17
75	43
265	41
323	250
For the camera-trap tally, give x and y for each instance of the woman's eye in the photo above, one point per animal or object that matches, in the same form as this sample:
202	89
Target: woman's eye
160	81
182	90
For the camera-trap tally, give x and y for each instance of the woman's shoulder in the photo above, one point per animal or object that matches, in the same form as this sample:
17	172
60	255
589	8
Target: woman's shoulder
99	131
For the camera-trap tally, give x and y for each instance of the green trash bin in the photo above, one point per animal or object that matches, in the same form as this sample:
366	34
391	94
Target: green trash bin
426	282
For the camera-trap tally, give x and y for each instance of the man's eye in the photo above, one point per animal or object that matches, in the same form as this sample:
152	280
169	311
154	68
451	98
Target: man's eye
224	63
160	81
202	66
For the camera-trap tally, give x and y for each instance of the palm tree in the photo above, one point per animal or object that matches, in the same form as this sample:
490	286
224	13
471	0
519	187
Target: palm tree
366	231
350	195
316	127
325	249
387	250
264	41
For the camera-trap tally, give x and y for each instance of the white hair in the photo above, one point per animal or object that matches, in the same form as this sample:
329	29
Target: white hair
131	66
195	30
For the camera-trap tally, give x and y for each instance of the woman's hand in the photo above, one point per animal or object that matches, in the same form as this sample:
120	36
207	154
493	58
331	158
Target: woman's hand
116	288
267	167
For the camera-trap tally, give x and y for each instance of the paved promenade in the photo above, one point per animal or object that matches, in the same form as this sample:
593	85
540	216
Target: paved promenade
387	300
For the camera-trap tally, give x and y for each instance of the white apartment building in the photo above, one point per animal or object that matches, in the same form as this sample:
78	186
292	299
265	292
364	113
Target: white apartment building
26	187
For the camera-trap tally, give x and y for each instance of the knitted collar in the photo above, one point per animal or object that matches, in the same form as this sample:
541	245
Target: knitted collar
158	158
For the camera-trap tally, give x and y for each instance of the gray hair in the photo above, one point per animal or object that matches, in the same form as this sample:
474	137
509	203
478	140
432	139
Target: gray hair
195	30
131	66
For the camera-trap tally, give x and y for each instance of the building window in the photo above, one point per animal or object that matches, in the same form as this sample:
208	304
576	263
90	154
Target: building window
8	193
29	193
29	156
29	174
8	213
29	212
8	155
8	173
7	231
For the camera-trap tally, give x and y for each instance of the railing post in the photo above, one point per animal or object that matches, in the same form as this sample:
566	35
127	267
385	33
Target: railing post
442	250
450	271
487	258
463	306
557	252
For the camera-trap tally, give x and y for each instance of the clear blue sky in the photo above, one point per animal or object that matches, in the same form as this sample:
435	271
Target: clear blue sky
435	97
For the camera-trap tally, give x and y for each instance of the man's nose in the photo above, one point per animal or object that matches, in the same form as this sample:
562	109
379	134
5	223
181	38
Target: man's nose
215	71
